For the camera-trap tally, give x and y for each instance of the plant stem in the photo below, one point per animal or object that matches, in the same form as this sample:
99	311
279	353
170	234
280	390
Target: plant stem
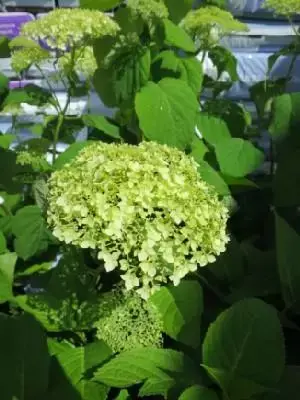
60	121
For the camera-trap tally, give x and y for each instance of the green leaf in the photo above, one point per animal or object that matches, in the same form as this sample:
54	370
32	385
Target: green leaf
170	65
235	115
285	115
102	5
197	392
3	248
99	122
198	149
67	156
3	83
167	112
135	366
7	268
224	61
24	358
22	41
175	36
127	74
178	9
31	232
6	140
214	130
181	308
263	92
123	395
213	177
244	349
288	247
30	94
238	157
4	47
229	266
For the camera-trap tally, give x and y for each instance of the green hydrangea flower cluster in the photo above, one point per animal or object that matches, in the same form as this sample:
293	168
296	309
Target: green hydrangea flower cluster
210	23
38	162
128	322
84	60
145	209
286	7
148	9
68	28
24	58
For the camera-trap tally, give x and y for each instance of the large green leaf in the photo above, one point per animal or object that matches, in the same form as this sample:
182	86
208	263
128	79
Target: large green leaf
288	252
175	36
135	366
102	124
76	362
213	129
178	9
30	94
181	308
3	83
224	60
4	47
262	93
102	5
24	358
6	140
7	268
189	69
31	232
213	177
167	112
237	118
243	349
71	152
198	392
285	115
238	157
128	72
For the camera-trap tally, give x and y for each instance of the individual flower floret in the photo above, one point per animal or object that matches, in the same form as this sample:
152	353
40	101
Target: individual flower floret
24	58
286	7
148	9
144	209
128	322
67	28
210	23
84	61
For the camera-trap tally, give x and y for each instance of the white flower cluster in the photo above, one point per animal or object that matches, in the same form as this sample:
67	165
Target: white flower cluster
144	208
65	28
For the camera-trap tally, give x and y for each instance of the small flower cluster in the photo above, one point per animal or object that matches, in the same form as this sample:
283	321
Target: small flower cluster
286	7
210	22
144	208
63	29
84	61
148	9
128	322
24	58
38	162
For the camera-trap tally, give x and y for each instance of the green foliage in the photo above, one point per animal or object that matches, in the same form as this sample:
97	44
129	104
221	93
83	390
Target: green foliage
181	308
253	362
30	231
101	291
174	104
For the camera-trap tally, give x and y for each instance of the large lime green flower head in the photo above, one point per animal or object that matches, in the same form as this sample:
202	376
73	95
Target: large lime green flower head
66	28
145	209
